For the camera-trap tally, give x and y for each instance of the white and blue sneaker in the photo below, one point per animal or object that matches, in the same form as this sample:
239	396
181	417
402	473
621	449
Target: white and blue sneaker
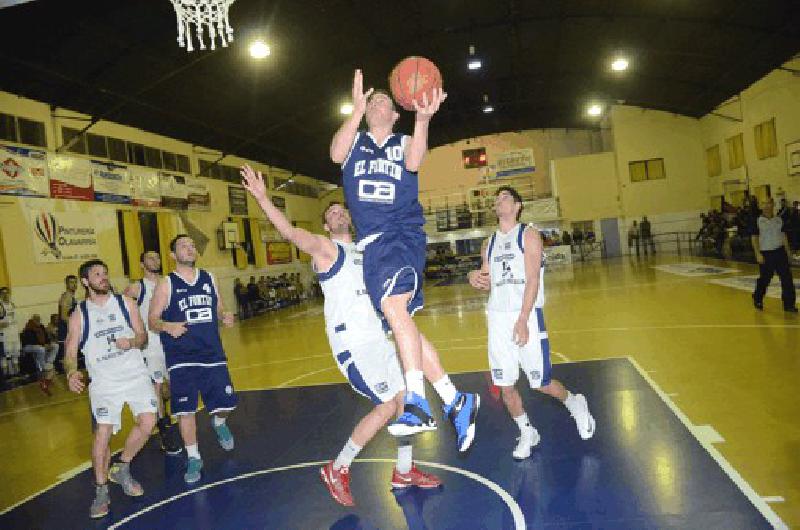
415	419
224	436
462	413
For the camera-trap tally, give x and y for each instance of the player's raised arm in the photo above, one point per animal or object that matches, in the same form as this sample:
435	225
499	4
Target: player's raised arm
479	278
314	245
418	146
344	137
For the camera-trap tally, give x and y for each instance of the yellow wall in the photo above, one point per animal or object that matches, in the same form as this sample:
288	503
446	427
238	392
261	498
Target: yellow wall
775	95
38	286
443	167
587	186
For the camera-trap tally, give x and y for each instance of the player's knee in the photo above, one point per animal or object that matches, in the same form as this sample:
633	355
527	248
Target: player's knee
147	421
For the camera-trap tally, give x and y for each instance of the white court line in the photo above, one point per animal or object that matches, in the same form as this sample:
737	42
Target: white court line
774	498
516	512
290	381
279	361
677	326
561	356
42	405
758	502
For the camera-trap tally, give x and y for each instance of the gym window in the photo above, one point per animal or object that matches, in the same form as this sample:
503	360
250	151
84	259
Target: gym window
766	142
713	161
67	134
643	170
735	151
31	132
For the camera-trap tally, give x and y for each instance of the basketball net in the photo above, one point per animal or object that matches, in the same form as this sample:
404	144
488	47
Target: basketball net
205	15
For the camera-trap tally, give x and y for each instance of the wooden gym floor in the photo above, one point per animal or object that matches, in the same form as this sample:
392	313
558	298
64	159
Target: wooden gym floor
731	370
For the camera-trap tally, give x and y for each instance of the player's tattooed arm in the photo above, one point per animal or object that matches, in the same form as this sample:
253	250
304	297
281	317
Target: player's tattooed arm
226	317
157	305
479	278
346	135
318	247
74	330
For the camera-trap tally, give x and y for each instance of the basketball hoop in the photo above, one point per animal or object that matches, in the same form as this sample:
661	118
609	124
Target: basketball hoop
211	15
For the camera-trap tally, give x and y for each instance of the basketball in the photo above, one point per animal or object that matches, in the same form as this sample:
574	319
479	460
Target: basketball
411	78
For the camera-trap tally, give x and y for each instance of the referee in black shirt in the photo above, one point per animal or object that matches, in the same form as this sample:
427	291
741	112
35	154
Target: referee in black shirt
772	254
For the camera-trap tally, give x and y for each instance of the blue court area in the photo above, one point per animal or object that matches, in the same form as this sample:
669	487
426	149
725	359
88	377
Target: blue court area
642	469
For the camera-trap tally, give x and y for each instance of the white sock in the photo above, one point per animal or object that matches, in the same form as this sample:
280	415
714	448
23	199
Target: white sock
415	382
193	451
523	423
348	453
446	390
404	456
217	420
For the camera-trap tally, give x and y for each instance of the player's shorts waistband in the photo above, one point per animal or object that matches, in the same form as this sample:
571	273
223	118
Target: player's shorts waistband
198	365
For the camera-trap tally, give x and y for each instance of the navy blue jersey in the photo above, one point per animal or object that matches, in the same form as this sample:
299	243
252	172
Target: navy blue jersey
196	304
380	192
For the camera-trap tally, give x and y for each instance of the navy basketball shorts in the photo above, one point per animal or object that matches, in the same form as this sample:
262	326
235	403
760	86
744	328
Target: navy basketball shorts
394	263
212	382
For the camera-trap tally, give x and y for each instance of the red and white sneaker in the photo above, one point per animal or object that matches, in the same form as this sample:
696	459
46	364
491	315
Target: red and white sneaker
338	483
415	477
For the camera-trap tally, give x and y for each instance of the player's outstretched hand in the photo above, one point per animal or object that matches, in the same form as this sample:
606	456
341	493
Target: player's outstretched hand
175	329
227	319
428	108
521	332
359	96
479	280
253	182
75	382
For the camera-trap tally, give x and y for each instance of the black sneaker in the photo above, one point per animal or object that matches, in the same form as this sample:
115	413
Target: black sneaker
169	437
757	303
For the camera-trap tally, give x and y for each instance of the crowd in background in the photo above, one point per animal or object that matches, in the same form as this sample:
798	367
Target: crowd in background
727	233
270	293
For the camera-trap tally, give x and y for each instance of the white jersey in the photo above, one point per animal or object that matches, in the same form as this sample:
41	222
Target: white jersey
146	290
349	316
109	366
506	256
9	334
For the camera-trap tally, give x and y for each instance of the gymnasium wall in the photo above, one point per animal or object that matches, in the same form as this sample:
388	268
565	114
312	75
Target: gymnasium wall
36	286
443	168
777	95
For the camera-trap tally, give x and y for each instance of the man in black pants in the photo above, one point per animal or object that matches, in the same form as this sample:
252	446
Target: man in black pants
772	254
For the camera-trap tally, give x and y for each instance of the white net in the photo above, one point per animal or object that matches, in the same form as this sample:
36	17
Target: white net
203	16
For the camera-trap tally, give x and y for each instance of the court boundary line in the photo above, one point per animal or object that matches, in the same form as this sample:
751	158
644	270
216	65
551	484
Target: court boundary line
511	504
747	490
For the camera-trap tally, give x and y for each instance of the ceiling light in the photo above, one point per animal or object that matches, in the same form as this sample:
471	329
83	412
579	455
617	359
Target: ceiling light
620	64
473	63
488	109
259	49
346	109
594	109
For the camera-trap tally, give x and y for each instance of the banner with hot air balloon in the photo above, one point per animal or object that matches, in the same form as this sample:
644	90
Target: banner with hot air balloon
23	172
63	236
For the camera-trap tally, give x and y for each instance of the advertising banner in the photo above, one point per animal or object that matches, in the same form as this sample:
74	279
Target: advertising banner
63	236
23	172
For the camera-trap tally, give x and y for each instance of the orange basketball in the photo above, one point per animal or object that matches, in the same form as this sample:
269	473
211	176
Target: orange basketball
412	77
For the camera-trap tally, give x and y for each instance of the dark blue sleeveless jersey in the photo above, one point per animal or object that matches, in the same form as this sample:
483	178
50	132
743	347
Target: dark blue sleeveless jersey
195	304
380	192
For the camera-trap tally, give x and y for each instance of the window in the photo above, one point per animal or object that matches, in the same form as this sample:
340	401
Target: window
126	270
735	151
31	132
117	150
149	227
713	161
766	142
67	134
152	157
97	145
8	127
183	164
136	154
642	170
170	161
